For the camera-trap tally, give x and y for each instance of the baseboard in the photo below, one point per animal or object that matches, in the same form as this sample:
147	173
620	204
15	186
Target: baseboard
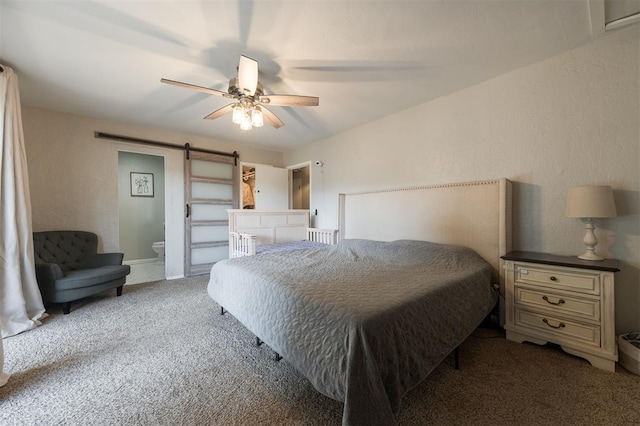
175	277
139	261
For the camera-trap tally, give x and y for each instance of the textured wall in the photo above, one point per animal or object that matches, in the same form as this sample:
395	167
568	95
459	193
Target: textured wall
567	121
74	176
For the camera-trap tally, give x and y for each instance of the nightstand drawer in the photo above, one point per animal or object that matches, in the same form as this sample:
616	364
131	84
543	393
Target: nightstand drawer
566	279
561	327
563	305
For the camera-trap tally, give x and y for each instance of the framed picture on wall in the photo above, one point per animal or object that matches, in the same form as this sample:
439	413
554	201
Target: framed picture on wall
141	184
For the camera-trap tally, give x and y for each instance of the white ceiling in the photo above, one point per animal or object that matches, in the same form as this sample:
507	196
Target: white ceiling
363	59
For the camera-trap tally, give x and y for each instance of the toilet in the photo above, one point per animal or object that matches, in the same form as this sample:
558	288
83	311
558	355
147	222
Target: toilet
158	247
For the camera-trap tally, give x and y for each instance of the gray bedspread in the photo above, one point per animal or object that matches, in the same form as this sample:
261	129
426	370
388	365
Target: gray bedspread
290	246
364	321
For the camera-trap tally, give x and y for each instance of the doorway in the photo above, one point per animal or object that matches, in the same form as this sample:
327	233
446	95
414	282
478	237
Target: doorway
300	183
141	215
300	187
248	187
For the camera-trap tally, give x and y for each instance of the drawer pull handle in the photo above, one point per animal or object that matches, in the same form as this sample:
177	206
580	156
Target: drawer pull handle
546	299
552	278
561	325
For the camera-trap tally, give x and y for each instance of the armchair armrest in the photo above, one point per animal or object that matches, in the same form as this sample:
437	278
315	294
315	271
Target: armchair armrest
104	259
46	276
48	272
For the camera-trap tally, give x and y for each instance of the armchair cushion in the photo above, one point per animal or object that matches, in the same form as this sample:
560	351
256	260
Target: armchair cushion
89	277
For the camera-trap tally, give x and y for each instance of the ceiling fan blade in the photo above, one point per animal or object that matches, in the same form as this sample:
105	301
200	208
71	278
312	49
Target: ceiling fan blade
346	71
289	100
220	112
271	118
197	88
247	75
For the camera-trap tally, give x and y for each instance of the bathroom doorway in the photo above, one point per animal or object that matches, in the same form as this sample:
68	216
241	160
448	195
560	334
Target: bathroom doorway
141	211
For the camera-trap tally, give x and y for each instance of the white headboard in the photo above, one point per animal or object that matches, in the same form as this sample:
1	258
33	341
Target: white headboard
470	214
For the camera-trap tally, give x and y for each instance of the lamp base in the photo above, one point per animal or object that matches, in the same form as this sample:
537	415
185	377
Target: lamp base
590	241
590	256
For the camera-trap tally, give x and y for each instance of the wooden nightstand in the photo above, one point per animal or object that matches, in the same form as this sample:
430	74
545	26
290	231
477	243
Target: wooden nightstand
563	300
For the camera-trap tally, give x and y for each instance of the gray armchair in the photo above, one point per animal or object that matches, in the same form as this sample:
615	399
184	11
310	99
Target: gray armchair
68	267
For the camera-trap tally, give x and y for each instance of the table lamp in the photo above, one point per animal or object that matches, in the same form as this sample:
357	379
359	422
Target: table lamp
590	203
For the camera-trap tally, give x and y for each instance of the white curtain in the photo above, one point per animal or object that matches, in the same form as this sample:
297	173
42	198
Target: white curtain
21	305
3	376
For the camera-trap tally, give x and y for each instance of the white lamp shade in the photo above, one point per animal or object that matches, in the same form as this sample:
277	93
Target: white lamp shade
257	120
590	202
238	114
245	124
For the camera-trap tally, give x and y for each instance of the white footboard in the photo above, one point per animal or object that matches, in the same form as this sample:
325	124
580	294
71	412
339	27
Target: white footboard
241	244
324	236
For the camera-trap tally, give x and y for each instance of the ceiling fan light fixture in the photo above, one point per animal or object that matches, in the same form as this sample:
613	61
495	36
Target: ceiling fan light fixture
257	120
246	122
238	114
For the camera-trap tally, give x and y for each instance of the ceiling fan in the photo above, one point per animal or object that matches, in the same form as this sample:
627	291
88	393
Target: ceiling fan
249	103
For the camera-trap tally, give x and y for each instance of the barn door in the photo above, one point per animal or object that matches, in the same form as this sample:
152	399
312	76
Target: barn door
210	185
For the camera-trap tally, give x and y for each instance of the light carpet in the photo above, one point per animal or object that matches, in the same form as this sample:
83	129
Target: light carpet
161	354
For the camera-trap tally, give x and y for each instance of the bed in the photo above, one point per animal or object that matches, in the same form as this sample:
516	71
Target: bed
369	318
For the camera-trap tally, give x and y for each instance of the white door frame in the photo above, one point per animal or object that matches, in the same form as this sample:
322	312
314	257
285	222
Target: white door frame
173	205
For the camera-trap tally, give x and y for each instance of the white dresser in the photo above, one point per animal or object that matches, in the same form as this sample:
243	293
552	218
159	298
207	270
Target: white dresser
562	300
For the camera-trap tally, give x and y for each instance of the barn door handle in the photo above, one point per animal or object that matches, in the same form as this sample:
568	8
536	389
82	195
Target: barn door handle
188	210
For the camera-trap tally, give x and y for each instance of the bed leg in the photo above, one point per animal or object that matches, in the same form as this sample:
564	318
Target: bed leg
258	341
221	310
456	358
278	357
